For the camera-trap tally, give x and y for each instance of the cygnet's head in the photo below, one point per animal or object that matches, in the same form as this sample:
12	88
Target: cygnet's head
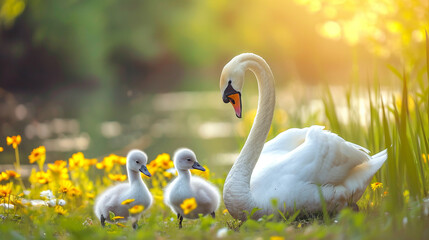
185	159
136	161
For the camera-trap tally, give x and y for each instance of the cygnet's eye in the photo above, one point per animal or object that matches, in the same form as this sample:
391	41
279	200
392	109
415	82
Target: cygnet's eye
188	159
137	162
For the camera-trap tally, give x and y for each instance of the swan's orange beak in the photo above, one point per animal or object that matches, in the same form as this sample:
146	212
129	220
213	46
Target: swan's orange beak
235	100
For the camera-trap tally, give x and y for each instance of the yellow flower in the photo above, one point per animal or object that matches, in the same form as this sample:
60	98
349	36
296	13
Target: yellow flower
65	186
167	175
12	174
125	202
1	149
40	177
74	192
59	169
5	190
120	225
90	162
76	161
163	161
136	209
60	210
204	174
376	185
117	217
277	238
117	177
4	176
38	154
106	164
188	205
14	140
225	211
90	195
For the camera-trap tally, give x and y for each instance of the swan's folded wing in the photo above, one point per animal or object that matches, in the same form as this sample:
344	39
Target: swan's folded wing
323	158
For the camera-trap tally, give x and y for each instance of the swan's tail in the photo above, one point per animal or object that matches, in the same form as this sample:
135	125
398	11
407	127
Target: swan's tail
361	175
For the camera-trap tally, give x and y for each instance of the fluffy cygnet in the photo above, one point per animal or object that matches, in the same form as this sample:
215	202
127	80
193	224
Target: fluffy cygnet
186	186
112	198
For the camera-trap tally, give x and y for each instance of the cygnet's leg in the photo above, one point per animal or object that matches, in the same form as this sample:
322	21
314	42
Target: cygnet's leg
103	220
213	214
135	225
180	220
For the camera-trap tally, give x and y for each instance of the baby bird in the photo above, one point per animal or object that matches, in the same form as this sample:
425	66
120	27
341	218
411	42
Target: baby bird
186	186
112	198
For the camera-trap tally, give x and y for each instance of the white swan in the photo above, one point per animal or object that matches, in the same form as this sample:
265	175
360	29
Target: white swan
293	165
186	186
112	198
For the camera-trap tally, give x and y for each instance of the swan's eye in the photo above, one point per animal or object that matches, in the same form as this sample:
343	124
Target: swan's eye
188	159
137	162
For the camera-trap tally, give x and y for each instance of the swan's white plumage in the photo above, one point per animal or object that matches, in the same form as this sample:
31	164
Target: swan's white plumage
295	164
111	199
186	186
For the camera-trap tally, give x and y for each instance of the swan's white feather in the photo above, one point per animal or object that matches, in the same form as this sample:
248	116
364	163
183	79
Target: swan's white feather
320	158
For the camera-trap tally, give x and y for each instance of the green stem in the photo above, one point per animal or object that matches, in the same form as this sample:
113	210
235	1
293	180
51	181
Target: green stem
18	165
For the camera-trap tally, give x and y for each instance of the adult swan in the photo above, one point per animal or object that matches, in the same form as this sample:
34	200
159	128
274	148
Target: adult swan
293	166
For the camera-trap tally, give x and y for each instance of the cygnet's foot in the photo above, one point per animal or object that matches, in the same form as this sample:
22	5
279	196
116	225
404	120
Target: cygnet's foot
180	220
213	214
103	220
135	225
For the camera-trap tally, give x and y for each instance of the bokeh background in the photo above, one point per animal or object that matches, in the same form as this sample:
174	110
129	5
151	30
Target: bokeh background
105	76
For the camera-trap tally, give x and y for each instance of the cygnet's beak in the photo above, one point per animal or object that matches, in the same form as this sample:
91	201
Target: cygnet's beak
196	165
144	170
234	97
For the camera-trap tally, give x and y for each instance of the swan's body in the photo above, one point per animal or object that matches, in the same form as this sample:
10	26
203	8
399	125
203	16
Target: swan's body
186	186
294	165
111	199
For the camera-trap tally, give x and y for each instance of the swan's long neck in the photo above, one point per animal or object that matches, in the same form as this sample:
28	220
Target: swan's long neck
237	193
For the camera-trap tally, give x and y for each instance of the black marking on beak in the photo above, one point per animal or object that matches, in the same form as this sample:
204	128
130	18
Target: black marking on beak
228	91
196	165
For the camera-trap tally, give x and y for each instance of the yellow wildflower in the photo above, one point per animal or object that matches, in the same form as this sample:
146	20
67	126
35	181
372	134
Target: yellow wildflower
76	161
277	238
14	140
204	174
90	162
5	190
188	205
167	175
117	217
163	161
406	195
117	177
90	195
376	185
65	186
225	211
40	177
1	149
12	174
120	225
136	209
106	164
74	192
60	210
38	154
58	169
125	202
4	176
